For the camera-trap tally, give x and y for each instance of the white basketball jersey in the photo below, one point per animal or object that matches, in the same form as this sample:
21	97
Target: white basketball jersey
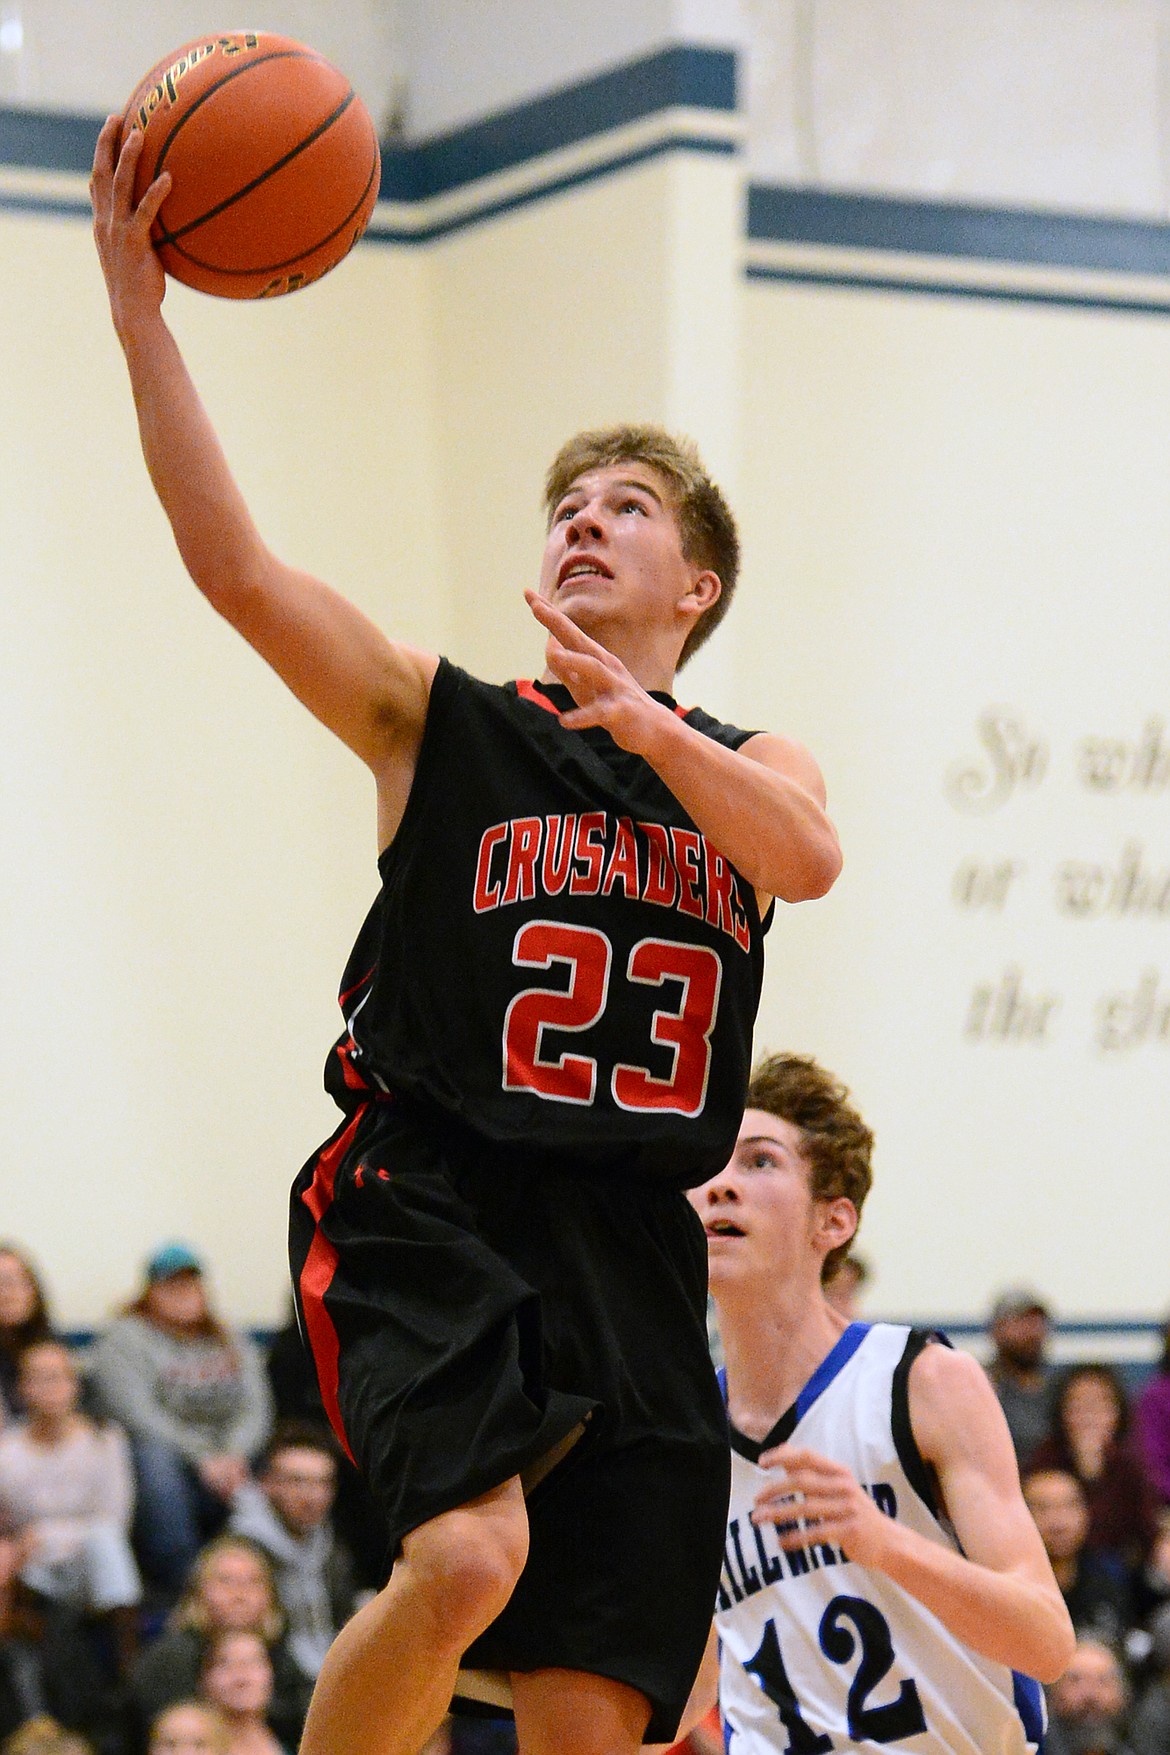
818	1654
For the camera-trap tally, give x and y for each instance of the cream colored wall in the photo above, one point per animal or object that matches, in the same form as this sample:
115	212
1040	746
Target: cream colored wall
571	313
948	506
953	507
187	856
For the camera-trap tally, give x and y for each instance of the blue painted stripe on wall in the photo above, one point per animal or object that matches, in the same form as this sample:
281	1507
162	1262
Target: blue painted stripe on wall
955	229
947	289
680	76
389	234
45	140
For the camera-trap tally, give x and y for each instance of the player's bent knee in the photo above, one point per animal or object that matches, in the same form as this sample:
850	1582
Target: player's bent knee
467	1563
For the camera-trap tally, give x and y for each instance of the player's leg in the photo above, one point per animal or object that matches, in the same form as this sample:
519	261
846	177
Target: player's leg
569	1712
389	1676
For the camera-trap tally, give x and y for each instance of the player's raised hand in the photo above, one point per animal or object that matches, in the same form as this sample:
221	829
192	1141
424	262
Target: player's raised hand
812	1499
135	279
605	692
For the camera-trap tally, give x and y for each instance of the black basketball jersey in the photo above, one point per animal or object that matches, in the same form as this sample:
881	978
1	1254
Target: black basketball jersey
557	956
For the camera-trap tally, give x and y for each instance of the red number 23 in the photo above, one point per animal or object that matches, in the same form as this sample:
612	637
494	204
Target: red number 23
572	1078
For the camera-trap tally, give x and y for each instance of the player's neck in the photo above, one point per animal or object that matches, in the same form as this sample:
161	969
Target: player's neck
651	661
772	1344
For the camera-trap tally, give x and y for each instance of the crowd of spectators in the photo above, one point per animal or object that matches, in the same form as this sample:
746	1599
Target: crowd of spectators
181	1538
175	1553
1094	1455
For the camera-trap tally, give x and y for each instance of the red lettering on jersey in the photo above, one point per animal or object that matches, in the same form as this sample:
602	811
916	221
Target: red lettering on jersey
661	877
743	932
523	848
487	889
688	854
623	862
720	882
589	853
558	850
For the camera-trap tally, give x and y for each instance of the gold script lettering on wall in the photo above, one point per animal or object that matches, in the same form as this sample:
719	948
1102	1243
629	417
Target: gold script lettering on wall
1080	890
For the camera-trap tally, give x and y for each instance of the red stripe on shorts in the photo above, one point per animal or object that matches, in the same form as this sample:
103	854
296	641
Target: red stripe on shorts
317	1277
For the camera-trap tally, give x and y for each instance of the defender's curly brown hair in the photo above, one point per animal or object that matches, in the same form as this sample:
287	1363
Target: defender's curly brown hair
836	1141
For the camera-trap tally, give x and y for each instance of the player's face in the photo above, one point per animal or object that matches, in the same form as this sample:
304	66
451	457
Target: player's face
759	1212
614	553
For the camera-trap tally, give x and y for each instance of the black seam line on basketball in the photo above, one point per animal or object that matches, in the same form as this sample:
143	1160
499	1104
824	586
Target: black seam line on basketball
247	273
192	225
232	73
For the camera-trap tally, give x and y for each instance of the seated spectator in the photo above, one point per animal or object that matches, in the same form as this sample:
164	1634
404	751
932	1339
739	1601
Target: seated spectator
194	1399
44	1736
24	1317
1152	1587
1087	1707
1018	1368
356	1516
231	1589
1089	1440
66	1496
190	1727
1095	1593
237	1680
287	1513
1152	1424
1149	1724
48	1671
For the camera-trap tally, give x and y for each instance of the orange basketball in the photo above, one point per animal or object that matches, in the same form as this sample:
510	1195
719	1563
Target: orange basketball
273	158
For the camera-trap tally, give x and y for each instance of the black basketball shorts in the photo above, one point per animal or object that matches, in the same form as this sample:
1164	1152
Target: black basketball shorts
468	1305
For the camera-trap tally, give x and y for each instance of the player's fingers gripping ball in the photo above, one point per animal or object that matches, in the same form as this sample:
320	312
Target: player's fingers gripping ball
273	158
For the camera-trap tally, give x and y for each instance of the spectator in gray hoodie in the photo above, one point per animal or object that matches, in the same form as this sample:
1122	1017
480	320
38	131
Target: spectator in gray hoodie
193	1397
286	1511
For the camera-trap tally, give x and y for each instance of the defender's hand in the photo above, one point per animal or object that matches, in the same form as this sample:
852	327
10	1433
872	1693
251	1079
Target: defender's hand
605	692
135	278
831	1506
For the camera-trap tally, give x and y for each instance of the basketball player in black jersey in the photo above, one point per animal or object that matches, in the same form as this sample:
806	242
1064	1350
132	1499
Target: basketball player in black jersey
547	1036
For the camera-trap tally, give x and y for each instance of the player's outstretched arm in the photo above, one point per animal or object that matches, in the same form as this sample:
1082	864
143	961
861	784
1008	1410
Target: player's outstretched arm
999	1596
369	691
763	805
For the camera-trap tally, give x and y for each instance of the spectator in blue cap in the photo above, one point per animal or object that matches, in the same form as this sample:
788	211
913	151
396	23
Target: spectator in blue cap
193	1396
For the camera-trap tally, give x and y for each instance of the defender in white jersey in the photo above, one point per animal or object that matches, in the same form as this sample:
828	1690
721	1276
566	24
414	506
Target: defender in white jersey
884	1586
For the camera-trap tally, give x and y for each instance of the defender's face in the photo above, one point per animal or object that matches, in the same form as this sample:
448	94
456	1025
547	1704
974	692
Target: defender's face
614	550
759	1212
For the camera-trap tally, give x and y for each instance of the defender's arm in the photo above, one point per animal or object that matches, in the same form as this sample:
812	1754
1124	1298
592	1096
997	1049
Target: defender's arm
998	1596
371	692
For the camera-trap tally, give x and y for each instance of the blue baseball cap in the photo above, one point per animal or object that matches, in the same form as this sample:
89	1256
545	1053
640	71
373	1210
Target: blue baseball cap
171	1259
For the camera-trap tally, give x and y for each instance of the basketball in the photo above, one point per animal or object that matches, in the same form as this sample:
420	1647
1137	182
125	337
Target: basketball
273	158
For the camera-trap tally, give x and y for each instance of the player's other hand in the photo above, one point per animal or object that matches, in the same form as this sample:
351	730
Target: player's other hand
135	279
605	692
812	1499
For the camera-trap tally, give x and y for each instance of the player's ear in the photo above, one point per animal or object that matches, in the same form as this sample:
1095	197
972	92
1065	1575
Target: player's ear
839	1221
705	589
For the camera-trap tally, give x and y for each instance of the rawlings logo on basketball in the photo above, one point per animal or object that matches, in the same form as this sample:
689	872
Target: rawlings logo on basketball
166	87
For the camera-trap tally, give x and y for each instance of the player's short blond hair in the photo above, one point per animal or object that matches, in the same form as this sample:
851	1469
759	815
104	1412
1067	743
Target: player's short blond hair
709	534
836	1142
